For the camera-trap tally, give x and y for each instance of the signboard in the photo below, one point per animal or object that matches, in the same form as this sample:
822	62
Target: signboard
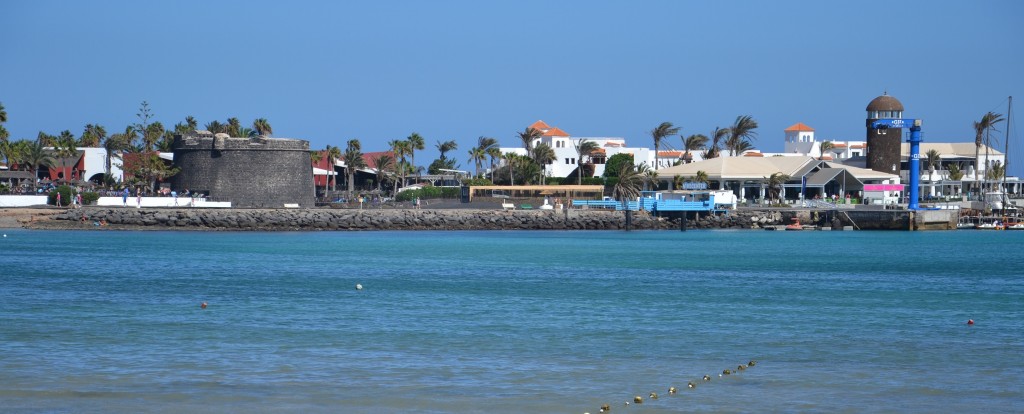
695	186
883	187
895	123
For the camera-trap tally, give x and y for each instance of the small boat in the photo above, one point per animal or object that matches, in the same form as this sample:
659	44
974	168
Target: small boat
1015	226
795	226
965	223
994	225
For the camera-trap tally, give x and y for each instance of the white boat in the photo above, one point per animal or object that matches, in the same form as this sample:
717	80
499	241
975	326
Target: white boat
1015	226
966	223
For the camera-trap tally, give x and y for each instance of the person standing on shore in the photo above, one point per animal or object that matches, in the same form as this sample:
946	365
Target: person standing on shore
124	198
138	198
58	199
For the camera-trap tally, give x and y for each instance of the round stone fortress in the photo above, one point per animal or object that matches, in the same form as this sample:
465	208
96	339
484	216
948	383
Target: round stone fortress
248	172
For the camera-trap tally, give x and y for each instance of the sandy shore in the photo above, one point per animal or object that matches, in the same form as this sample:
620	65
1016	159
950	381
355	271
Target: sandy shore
11	218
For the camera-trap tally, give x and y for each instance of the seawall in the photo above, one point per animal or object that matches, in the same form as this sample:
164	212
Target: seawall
471	219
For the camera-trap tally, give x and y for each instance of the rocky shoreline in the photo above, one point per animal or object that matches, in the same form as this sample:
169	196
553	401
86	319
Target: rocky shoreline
92	218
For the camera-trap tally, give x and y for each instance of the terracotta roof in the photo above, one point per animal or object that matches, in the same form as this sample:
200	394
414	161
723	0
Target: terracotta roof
834	145
555	132
540	125
670	153
826	158
753	154
799	126
599	151
371	157
857	146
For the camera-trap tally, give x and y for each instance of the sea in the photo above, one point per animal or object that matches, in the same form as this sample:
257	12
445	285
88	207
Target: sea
511	321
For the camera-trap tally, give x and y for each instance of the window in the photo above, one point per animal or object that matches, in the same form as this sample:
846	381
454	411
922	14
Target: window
856	153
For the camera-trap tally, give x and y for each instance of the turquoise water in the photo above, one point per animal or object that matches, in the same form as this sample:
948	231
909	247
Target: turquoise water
514	321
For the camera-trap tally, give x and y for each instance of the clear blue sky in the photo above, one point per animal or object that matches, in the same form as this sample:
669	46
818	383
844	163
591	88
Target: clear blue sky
332	71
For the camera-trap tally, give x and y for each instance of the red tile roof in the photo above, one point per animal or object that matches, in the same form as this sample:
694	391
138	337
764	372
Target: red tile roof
753	154
555	132
799	126
540	125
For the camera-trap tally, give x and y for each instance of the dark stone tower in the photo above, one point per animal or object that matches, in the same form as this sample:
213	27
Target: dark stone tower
249	172
884	145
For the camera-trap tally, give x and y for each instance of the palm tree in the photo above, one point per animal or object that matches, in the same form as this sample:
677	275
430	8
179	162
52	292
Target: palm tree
477	157
583	149
716	137
701	177
353	161
383	162
333	154
693	143
824	146
36	155
215	127
651	180
3	119
659	133
528	136
743	146
932	161
47	139
262	127
152	134
66	148
416	143
234	127
981	134
93	135
191	122
741	130
630	181
775	182
444	147
543	155
511	159
3	113
401	150
491	148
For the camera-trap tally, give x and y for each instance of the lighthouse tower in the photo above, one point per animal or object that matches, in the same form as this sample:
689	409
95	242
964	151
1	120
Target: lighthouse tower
883	153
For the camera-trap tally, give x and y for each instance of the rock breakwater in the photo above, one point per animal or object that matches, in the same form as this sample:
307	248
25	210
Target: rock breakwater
365	220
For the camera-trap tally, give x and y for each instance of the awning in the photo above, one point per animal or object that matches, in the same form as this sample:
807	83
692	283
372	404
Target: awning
321	171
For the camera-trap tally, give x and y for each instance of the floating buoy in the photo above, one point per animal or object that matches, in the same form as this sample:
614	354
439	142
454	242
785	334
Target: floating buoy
638	399
359	287
691	385
202	306
671	390
751	363
606	408
654	396
740	367
707	378
726	372
969	321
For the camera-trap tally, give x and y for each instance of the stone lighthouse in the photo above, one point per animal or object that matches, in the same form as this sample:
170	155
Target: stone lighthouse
883	154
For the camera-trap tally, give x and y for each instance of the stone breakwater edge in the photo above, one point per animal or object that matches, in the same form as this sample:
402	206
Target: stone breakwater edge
370	220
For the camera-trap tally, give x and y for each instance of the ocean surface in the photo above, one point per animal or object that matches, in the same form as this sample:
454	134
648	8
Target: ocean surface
511	321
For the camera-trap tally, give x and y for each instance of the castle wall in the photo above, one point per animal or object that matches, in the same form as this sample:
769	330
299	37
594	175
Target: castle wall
258	172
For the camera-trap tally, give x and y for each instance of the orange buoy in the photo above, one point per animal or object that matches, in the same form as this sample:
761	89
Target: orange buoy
970	321
203	306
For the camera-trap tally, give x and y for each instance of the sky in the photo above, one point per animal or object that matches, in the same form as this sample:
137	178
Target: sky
328	72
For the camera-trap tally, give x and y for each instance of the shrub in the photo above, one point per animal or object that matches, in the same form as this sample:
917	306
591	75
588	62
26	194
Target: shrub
554	180
65	196
477	181
90	197
593	181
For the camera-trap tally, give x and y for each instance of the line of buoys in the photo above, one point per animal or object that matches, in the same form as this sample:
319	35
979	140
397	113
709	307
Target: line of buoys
637	399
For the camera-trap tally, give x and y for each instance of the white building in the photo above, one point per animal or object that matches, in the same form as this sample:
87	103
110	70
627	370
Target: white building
566	156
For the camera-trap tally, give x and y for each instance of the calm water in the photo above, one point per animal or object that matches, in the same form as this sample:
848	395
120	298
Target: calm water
502	322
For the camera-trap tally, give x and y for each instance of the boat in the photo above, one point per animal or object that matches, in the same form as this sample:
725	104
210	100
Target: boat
992	225
966	223
1015	226
796	226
